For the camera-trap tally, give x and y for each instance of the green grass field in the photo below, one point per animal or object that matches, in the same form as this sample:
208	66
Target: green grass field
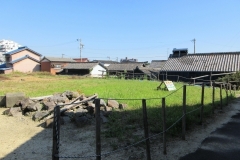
130	92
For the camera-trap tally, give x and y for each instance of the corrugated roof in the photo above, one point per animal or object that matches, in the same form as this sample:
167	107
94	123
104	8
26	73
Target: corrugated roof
157	64
215	62
84	65
21	49
105	61
57	59
123	67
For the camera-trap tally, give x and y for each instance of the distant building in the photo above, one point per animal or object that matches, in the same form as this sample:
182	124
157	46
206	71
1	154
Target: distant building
81	59
22	59
54	64
128	60
178	52
7	46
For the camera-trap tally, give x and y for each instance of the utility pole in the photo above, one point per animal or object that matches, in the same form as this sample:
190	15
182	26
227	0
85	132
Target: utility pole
62	55
81	46
194	40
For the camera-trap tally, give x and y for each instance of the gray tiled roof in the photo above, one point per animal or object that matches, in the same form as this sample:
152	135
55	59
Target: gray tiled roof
105	61
216	62
123	67
77	65
57	59
157	64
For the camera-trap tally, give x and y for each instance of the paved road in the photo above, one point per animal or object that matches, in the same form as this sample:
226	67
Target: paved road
222	144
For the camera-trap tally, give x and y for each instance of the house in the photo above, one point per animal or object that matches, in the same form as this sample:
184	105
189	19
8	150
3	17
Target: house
54	64
22	59
87	68
126	69
200	64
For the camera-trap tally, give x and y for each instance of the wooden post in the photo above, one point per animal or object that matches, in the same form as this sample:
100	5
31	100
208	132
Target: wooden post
202	104
226	90
211	79
184	113
230	89
98	129
213	98
221	96
164	127
145	124
56	133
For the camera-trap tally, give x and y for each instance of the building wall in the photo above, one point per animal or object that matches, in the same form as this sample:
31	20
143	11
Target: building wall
98	71
45	66
24	53
26	65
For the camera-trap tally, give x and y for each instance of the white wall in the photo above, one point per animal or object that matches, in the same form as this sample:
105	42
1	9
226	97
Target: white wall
97	71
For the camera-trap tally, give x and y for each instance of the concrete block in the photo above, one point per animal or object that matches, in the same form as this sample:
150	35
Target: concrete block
2	101
13	98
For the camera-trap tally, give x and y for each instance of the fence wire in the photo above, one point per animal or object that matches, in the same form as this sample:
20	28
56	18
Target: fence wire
140	141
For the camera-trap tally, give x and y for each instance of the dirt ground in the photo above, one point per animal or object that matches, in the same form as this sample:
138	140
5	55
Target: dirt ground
23	139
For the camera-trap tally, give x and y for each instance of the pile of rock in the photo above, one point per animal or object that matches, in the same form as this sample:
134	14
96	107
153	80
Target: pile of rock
79	108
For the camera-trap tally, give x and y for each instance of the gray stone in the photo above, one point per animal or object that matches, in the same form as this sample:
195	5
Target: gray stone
103	118
6	112
39	114
122	106
15	112
24	103
34	107
113	104
13	98
49	122
71	95
49	105
80	112
102	103
81	121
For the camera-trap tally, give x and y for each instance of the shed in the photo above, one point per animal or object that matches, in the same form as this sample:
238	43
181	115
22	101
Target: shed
86	68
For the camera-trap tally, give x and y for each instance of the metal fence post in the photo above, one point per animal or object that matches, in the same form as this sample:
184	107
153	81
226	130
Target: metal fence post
56	133
145	124
164	126
184	113
98	129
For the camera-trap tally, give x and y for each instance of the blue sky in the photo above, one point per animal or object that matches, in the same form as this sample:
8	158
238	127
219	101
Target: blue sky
114	29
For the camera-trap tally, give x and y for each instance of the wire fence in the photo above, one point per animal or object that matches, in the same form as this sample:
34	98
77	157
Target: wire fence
136	128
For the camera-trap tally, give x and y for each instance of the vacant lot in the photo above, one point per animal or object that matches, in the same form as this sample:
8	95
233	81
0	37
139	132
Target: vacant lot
32	141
